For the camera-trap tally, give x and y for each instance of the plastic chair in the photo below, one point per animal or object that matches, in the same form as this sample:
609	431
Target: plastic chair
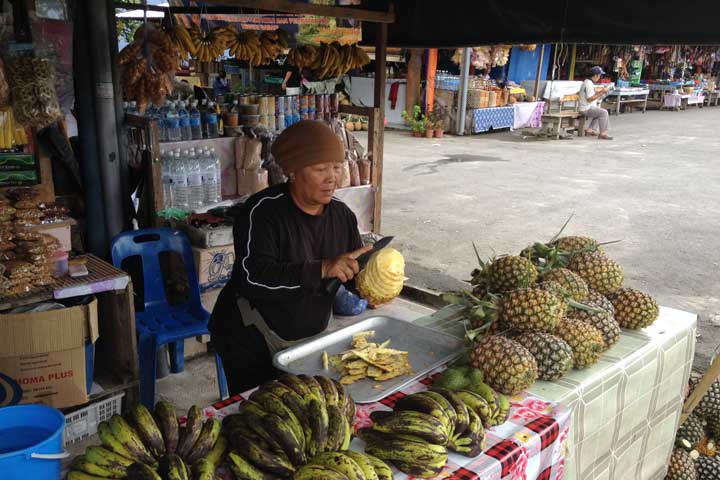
161	323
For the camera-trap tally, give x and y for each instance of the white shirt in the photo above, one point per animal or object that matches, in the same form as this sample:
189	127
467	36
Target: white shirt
587	90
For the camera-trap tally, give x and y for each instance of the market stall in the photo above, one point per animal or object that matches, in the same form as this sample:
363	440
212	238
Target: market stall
620	96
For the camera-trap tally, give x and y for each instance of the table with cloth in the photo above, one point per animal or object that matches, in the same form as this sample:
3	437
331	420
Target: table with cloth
530	445
625	408
528	114
493	118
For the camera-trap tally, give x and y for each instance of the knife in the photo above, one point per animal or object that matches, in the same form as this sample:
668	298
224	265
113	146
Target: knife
334	284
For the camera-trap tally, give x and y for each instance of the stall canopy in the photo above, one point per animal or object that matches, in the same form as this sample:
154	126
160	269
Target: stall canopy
458	23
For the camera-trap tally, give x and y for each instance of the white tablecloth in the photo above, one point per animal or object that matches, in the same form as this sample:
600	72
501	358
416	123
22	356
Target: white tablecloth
528	114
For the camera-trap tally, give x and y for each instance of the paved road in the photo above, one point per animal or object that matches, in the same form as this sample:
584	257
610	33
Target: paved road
656	187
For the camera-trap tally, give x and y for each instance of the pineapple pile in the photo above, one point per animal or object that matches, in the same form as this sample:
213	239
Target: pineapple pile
696	455
383	278
556	306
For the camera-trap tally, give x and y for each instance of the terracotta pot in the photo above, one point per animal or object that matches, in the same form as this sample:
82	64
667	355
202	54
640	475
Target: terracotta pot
429	133
417	134
439	133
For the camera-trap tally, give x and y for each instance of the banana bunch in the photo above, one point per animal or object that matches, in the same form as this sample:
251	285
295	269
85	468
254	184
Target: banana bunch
305	56
336	60
208	44
146	64
417	435
12	134
180	37
294	427
244	45
147	446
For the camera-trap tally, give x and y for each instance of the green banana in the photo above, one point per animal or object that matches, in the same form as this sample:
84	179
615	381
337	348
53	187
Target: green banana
382	469
314	387
347	434
408	450
318	472
130	439
461	411
206	441
329	390
296	384
364	463
267	461
204	470
340	463
419	471
110	461
408	422
148	430
218	451
348	403
336	429
318	418
289	397
78	475
191	432
82	464
444	403
504	408
166	420
111	443
478	404
247	432
425	404
245	470
140	471
272	404
253	415
484	390
172	467
284	435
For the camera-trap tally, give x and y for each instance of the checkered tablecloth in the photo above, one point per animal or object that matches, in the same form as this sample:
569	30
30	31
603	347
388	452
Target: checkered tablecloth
485	119
530	445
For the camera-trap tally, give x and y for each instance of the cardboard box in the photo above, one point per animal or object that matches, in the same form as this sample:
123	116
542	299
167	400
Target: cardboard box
207	237
214	265
43	355
209	298
61	231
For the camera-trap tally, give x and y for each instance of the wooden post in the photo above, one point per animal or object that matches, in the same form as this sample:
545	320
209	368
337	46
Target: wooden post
536	89
430	84
377	120
573	57
701	389
412	92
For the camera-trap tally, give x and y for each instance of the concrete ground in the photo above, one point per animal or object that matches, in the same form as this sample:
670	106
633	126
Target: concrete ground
656	186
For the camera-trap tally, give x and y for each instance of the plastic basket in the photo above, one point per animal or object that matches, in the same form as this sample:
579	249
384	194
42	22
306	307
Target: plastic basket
83	423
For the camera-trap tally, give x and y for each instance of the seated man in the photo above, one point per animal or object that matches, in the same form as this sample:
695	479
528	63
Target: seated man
290	239
589	105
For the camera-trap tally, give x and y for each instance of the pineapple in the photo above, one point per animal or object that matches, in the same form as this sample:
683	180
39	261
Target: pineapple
505	273
693	430
599	300
574	286
600	272
714	427
707	447
681	466
553	355
532	310
586	341
633	308
383	277
709	405
507	366
574	244
707	468
604	322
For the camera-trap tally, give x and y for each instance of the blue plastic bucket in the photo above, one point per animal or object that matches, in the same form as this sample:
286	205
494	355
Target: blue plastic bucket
31	442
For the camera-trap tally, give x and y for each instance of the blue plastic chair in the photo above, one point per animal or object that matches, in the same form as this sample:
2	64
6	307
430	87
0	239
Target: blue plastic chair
161	323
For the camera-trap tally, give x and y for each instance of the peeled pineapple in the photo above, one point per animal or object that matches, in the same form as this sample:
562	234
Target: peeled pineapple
383	277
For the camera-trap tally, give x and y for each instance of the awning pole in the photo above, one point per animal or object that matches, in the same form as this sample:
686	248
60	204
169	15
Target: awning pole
462	107
536	89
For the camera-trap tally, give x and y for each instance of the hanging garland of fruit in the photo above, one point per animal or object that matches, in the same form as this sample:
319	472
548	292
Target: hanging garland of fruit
146	64
209	44
329	60
180	37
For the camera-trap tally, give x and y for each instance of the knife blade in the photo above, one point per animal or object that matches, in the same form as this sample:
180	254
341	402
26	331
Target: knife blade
334	284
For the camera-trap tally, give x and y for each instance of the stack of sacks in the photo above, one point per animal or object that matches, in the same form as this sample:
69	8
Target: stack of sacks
251	177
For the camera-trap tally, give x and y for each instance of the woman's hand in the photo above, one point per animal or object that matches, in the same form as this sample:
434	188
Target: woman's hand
343	267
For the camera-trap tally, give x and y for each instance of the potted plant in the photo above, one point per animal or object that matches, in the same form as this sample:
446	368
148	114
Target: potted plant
428	128
438	116
416	120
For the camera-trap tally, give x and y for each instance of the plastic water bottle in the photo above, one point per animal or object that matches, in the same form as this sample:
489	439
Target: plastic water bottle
167	160
184	116
212	121
195	182
195	122
203	116
211	179
162	127
179	183
172	124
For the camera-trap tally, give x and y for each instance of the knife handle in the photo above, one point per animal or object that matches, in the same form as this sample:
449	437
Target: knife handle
333	286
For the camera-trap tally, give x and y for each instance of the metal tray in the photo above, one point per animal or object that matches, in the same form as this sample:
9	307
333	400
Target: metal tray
427	349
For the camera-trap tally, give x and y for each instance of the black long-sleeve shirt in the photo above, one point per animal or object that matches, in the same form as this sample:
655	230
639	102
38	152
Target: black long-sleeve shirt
278	260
